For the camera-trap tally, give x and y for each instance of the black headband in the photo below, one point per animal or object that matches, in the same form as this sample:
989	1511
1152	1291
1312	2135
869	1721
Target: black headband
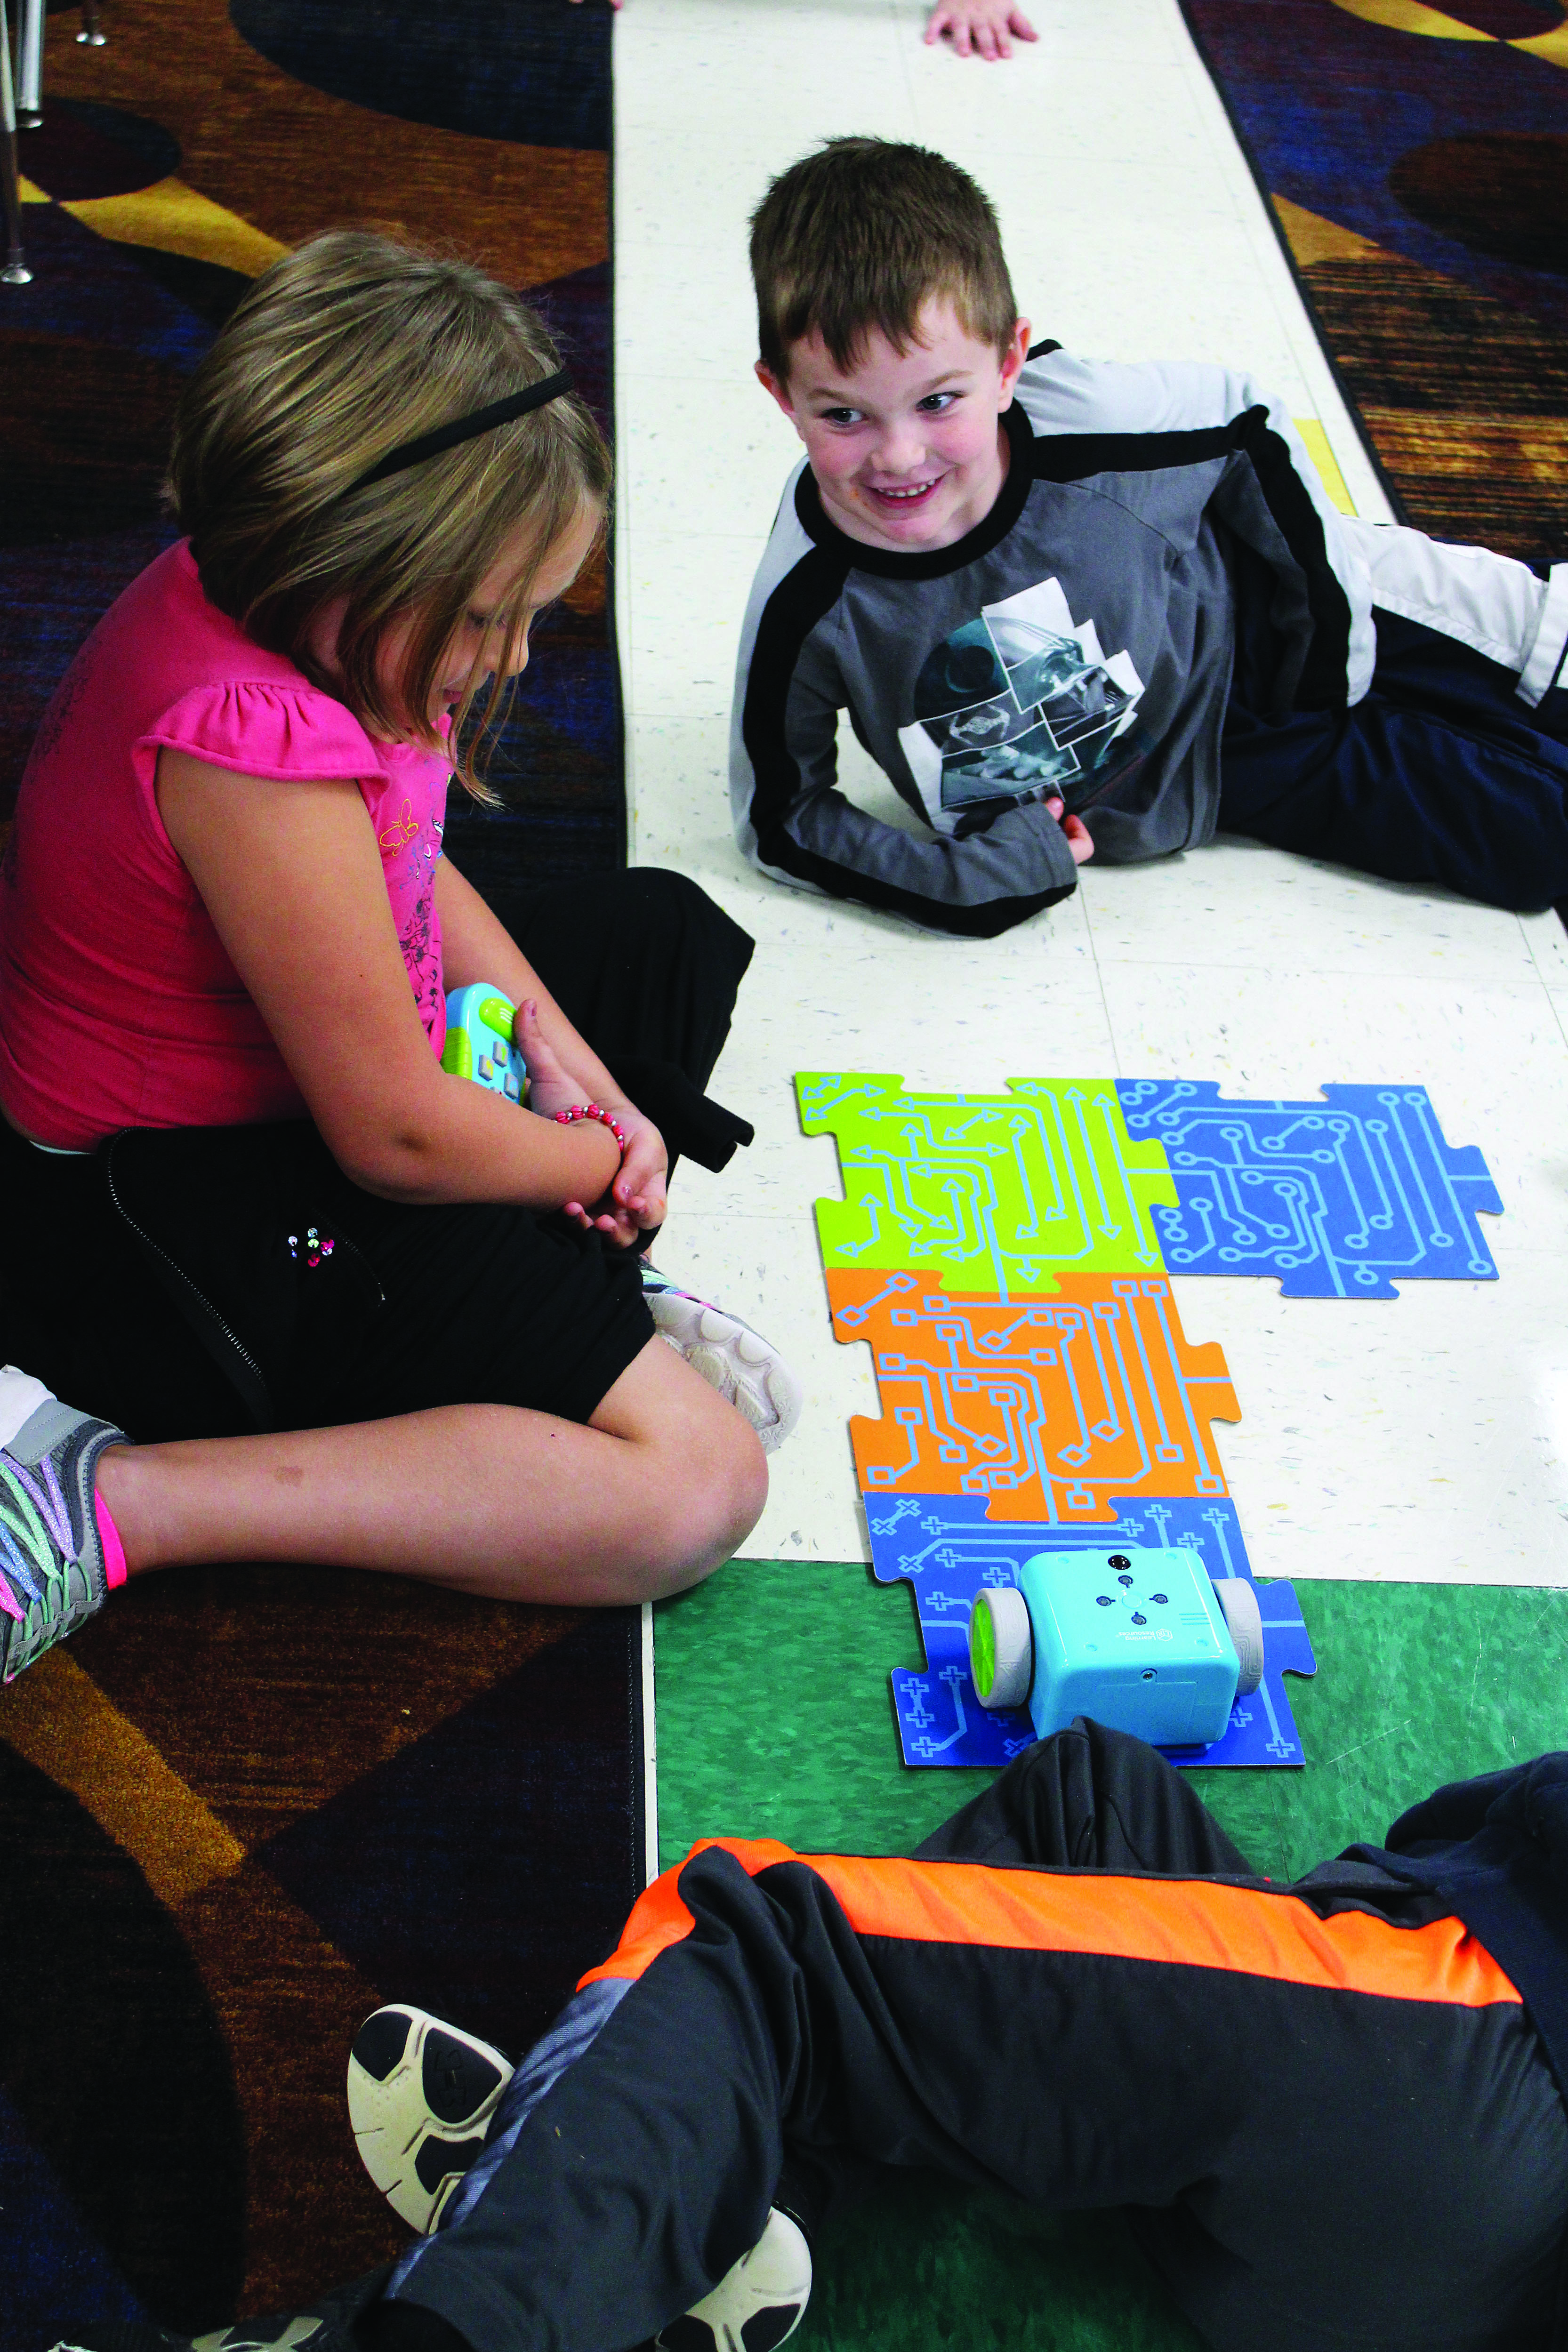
464	428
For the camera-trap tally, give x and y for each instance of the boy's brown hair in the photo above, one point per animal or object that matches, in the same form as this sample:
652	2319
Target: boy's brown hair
854	239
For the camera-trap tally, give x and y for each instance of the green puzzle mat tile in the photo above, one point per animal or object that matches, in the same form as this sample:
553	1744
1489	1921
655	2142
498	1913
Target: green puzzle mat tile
988	1192
774	1720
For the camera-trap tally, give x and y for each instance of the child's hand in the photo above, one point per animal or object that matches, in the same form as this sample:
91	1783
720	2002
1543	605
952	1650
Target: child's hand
635	1203
1074	833
982	24
550	1087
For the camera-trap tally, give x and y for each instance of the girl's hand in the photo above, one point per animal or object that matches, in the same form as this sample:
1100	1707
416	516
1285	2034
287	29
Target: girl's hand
980	25
1074	833
550	1087
635	1203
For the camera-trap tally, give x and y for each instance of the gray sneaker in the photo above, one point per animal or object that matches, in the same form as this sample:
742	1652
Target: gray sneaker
52	1573
747	1370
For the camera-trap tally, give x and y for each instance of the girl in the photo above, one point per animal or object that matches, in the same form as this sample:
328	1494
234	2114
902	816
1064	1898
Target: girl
351	1309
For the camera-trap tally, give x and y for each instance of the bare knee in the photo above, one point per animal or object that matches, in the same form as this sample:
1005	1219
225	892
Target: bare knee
707	1497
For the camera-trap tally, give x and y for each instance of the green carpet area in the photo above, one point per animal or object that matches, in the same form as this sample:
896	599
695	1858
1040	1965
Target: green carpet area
775	1720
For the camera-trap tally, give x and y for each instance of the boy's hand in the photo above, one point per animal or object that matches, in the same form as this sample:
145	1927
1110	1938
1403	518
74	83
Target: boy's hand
1074	833
982	24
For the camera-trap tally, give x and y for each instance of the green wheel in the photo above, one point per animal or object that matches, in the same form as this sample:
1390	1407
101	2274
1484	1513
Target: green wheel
1001	1647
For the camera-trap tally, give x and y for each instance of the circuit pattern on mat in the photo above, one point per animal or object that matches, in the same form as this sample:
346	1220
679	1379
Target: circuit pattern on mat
946	1550
1047	1407
999	1193
1336	1197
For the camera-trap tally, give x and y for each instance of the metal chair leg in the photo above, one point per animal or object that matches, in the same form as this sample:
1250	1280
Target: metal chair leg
30	65
93	35
15	271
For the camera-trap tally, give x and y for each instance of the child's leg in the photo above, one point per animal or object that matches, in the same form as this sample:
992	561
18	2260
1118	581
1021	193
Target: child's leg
1086	2039
651	1495
1089	1798
1440	775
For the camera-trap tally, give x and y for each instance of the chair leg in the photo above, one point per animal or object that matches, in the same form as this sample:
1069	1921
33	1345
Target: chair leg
30	65
93	35
15	271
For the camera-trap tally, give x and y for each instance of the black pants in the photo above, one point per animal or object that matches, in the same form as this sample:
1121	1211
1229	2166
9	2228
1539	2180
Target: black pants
1439	775
201	1281
1325	2110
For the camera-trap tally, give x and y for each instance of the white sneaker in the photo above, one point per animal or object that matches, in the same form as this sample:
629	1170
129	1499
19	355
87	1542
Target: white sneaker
421	2096
739	1362
759	2301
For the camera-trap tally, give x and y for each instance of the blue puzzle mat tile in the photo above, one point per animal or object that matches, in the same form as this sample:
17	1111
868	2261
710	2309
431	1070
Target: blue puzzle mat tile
946	1549
1336	1197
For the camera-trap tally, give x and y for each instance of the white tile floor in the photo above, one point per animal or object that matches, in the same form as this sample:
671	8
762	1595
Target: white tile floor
1422	1437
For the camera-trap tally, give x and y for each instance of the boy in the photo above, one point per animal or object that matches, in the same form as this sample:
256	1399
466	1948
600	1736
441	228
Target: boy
1332	2109
1044	586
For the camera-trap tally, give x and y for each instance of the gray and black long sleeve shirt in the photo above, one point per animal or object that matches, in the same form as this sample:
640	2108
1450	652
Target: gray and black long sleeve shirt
1079	642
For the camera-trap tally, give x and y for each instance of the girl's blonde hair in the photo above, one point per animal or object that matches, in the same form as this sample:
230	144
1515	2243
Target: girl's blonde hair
345	348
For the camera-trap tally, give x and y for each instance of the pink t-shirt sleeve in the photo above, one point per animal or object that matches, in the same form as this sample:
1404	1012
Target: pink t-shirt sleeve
119	1004
298	734
260	729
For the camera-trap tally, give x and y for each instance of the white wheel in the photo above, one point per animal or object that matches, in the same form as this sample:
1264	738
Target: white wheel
1001	1647
1239	1603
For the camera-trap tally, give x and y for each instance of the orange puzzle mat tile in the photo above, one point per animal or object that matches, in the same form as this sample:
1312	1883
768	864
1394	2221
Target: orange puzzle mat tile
1049	1407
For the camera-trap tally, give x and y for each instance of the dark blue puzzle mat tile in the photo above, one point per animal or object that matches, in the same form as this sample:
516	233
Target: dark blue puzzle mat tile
946	1549
1338	1197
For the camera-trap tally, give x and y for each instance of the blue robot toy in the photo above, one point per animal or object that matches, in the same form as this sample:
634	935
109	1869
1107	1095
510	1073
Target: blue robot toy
1142	1640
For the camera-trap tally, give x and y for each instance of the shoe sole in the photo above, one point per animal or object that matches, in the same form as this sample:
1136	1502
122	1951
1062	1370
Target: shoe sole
421	2096
733	1358
757	2304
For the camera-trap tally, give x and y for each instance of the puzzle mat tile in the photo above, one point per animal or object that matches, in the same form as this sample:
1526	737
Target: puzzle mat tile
1044	1408
945	1548
1337	1197
998	1194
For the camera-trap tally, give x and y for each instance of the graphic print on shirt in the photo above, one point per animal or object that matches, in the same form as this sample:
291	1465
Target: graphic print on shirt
1021	704
418	937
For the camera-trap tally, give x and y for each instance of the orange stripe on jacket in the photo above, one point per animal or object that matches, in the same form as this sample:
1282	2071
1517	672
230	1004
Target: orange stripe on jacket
1185	1921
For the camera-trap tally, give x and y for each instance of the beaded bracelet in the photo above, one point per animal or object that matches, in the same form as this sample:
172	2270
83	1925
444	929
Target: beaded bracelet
592	1110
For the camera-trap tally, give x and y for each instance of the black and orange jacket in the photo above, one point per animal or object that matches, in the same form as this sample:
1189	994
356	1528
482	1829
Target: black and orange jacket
1495	1851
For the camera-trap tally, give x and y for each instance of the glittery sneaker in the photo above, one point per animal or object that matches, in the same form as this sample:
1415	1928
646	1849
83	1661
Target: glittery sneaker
739	1362
421	2096
53	1572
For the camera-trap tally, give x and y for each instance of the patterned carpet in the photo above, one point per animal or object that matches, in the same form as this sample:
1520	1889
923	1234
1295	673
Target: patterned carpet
243	1807
1417	162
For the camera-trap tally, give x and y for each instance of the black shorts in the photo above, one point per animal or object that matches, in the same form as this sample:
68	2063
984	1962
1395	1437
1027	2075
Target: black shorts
203	1282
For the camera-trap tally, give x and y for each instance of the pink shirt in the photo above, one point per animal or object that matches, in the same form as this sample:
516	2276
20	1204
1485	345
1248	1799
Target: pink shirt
119	1006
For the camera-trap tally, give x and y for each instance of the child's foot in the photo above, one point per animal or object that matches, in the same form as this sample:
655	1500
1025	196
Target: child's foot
53	1571
731	1357
759	2301
421	2096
